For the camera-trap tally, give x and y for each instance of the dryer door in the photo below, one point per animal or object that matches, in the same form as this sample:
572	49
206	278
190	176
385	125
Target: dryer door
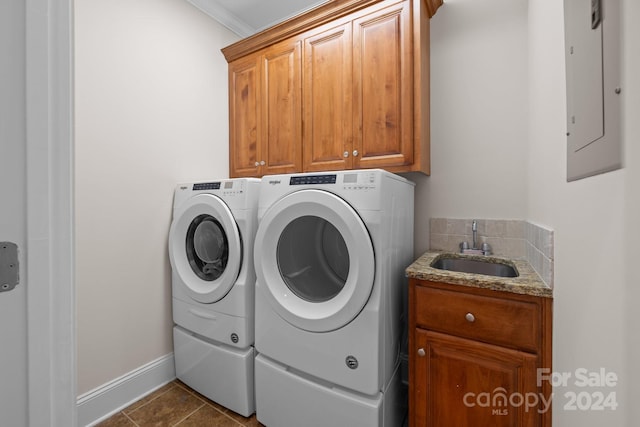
315	259
205	247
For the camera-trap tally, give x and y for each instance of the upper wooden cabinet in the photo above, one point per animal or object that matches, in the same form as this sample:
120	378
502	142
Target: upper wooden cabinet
264	111
344	86
328	100
383	97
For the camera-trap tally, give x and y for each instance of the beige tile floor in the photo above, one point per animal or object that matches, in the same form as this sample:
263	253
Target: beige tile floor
175	404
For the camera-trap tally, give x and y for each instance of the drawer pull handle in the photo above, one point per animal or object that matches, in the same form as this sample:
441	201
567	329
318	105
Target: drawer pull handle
421	352
470	317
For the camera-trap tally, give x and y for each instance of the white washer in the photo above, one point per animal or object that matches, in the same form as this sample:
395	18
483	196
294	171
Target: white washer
213	286
330	254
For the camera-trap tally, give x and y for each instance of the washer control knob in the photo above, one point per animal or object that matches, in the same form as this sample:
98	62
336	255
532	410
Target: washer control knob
351	362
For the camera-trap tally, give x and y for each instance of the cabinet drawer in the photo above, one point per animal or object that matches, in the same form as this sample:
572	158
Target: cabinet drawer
499	321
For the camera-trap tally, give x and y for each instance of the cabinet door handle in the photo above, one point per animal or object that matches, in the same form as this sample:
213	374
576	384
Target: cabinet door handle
470	317
345	154
355	153
421	352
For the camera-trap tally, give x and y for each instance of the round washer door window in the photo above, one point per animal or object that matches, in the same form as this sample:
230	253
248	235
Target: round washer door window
314	260
205	248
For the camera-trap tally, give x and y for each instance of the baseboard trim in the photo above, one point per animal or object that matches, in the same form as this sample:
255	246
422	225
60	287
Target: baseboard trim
104	401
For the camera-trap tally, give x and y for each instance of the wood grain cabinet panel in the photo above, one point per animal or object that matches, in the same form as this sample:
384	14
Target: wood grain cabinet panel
282	98
265	97
383	135
501	321
467	383
474	356
328	140
245	116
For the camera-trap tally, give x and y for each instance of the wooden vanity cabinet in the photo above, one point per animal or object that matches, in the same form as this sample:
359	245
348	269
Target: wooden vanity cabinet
474	356
343	86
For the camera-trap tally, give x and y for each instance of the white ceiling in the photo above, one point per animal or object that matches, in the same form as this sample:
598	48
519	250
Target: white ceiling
247	17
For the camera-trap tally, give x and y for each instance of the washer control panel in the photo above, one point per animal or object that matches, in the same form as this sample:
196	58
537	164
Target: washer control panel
206	186
226	188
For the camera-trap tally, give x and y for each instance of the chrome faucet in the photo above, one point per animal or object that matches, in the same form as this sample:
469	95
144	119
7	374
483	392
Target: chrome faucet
474	230
464	246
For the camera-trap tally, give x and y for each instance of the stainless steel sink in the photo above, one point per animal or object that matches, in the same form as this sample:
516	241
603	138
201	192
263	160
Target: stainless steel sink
489	267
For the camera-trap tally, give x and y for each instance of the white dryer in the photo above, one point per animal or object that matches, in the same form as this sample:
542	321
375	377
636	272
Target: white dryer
213	287
330	254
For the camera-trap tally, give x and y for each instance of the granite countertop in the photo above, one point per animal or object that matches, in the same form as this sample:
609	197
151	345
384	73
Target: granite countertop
527	283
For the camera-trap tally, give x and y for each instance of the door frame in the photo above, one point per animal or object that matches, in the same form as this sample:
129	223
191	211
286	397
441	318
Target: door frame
51	330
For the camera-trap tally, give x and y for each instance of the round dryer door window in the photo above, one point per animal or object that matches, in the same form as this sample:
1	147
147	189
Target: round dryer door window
314	260
205	248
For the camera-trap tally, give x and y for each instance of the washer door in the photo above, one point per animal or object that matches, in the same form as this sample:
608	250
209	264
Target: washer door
316	260
205	247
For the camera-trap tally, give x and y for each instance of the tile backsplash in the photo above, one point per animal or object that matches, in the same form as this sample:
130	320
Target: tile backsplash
516	239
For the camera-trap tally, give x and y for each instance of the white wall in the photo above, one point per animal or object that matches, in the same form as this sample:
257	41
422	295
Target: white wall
631	132
479	114
151	111
588	216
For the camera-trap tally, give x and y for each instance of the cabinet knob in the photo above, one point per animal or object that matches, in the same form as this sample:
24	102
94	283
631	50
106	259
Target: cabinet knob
345	154
470	317
355	153
257	163
262	163
421	352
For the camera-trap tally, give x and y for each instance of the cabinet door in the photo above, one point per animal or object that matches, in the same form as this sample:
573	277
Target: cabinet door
282	108
459	382
383	85
327	99
244	116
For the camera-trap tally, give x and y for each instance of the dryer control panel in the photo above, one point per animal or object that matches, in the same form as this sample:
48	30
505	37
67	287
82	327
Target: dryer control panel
359	181
312	179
